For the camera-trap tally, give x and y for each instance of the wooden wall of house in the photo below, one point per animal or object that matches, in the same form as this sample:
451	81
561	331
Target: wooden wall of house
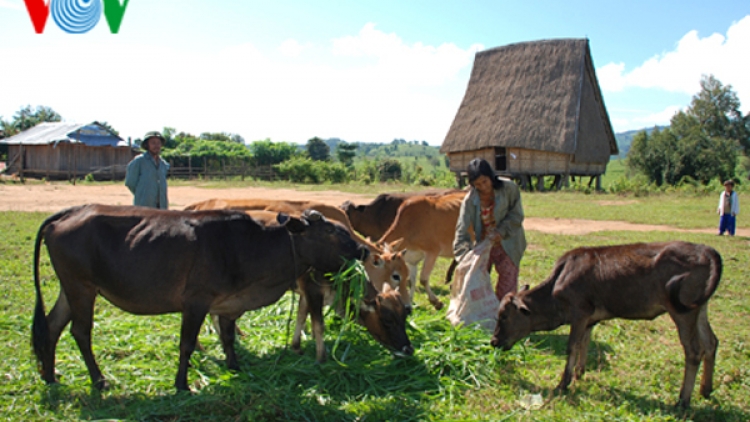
65	161
514	162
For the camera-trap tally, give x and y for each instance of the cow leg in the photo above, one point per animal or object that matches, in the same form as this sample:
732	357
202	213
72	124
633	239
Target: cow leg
577	335
709	345
412	259
57	319
582	351
192	319
302	311
315	309
227	331
82	315
687	327
424	278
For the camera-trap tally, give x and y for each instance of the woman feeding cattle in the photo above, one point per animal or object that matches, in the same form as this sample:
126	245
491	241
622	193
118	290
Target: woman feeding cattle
492	208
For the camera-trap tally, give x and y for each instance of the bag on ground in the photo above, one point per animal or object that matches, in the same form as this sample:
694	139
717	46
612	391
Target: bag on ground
473	299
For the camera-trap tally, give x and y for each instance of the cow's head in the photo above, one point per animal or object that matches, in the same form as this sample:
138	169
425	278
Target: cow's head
384	316
320	243
388	268
513	321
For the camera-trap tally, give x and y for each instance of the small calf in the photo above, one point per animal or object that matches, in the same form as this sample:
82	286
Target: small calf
635	281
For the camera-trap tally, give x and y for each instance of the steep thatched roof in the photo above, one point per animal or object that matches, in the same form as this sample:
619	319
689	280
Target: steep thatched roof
540	95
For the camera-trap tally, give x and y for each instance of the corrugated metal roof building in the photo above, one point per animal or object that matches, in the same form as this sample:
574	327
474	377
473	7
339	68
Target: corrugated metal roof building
63	150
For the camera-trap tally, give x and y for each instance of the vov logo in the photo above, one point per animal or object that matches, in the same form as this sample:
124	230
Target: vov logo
76	16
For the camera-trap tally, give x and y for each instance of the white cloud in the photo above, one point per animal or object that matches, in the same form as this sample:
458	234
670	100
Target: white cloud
291	48
387	90
680	70
9	4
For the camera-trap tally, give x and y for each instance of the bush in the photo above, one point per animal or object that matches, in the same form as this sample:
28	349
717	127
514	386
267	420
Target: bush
306	170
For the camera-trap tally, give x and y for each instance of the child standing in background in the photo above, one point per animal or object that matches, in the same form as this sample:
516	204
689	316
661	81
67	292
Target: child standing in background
729	207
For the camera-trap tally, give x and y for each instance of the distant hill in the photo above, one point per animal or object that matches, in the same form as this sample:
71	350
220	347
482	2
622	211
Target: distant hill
624	139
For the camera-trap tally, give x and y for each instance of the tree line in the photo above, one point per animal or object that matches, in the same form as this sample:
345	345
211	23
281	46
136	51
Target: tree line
710	140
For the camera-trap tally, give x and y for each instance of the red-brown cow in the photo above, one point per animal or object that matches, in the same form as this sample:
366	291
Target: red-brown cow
636	281
147	261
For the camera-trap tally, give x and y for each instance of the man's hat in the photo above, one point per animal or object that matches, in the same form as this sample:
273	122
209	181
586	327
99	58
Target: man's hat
152	134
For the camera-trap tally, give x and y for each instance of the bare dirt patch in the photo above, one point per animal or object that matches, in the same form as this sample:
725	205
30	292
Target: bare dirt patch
54	197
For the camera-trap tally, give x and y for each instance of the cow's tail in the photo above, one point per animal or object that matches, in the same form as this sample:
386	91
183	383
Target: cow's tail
40	340
714	276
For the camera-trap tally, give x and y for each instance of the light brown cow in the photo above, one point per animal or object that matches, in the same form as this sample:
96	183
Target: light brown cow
425	226
289	207
636	281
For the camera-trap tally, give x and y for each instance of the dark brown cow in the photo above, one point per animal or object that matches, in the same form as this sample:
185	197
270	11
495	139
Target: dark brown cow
636	281
148	261
382	311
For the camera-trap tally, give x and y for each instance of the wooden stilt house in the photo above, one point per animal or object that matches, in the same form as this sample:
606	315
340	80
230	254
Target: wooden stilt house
533	109
61	150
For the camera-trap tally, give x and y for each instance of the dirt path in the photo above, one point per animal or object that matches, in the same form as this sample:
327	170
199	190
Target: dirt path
54	197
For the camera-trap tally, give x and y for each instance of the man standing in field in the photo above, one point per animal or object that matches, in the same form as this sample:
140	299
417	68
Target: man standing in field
729	207
146	175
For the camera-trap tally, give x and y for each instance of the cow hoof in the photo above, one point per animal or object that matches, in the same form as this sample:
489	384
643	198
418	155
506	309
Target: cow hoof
234	366
102	385
438	305
182	388
297	350
561	389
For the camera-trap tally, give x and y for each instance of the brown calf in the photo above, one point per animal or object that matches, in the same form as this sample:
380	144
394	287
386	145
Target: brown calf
636	281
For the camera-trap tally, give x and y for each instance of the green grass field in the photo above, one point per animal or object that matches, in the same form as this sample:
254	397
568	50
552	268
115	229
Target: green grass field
634	368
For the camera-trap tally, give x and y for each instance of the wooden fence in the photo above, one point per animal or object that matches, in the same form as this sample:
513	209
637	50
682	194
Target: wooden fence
223	172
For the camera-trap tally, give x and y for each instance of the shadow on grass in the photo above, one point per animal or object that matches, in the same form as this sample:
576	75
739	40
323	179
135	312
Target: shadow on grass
701	410
558	344
277	385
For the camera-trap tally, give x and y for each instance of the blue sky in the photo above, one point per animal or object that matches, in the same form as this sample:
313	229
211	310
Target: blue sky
368	71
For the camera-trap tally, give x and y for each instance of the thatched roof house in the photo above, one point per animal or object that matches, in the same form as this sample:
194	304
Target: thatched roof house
533	109
64	150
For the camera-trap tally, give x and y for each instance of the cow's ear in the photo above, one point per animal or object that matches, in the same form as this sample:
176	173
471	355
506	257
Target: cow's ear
396	244
522	306
377	260
524	288
295	225
346	205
